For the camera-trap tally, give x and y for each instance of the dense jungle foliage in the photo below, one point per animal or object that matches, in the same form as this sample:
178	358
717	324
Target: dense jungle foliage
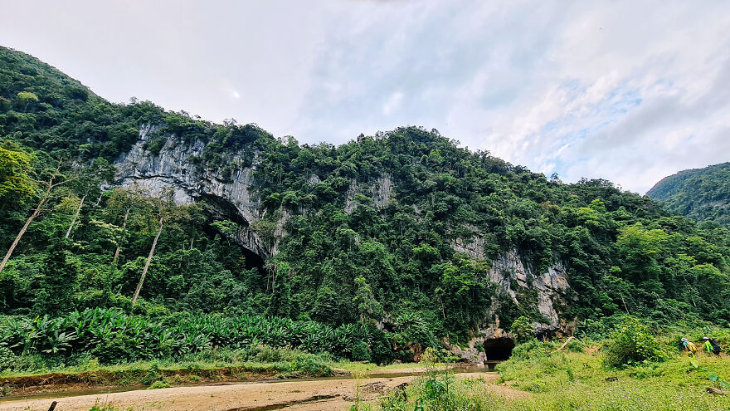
701	194
371	229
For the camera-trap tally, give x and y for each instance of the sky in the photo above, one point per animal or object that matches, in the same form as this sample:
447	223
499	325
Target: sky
629	91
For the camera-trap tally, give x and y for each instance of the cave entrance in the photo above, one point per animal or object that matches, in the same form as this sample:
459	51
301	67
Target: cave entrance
498	349
253	260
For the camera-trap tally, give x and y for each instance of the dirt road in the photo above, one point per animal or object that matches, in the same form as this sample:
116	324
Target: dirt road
300	395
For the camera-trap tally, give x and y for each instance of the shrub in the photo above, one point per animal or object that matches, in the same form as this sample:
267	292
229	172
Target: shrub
575	346
152	376
523	329
537	385
632	343
7	359
312	367
360	352
530	349
436	392
158	384
433	355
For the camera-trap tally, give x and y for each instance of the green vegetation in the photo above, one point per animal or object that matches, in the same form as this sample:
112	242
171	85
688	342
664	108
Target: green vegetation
701	194
368	269
632	342
539	377
111	335
210	365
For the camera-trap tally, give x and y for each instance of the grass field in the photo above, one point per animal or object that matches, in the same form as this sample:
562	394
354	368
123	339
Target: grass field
577	381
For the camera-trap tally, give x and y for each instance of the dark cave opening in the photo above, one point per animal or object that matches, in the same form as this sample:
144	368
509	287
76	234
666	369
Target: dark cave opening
498	349
221	210
253	260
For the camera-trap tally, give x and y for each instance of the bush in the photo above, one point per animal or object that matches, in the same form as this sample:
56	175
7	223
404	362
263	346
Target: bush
360	352
7	359
575	346
310	366
436	392
632	343
158	384
152	376
433	355
530	349
537	385
523	329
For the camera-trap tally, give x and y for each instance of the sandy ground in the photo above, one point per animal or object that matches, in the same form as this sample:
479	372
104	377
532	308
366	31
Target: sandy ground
321	395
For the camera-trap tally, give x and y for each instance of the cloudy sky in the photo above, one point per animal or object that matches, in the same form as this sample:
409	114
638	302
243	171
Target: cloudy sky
630	91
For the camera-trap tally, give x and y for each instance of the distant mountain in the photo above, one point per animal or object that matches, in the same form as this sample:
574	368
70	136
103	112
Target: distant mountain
702	194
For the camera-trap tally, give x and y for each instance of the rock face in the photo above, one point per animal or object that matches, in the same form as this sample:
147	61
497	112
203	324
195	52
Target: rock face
381	191
171	169
509	270
514	277
474	246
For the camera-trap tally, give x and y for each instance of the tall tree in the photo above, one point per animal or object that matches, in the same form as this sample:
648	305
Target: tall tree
367	306
121	202
54	179
88	182
168	215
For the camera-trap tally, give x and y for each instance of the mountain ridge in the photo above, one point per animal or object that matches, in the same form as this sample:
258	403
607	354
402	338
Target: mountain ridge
702	194
402	230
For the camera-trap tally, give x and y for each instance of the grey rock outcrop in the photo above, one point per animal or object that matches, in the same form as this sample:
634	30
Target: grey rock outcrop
509	270
380	192
172	169
514	278
473	246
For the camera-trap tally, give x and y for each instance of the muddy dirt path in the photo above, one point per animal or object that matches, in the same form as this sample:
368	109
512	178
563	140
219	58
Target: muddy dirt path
299	395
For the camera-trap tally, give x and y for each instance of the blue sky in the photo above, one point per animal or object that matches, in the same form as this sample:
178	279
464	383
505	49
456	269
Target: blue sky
629	91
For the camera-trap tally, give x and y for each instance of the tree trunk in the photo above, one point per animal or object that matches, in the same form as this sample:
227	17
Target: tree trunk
147	265
25	227
121	237
78	210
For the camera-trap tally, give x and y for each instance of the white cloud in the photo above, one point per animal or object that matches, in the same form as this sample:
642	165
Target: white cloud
393	103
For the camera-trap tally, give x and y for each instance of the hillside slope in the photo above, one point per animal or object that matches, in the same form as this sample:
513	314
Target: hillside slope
701	194
402	230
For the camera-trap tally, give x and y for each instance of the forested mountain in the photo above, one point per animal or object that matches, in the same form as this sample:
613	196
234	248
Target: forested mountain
701	194
391	241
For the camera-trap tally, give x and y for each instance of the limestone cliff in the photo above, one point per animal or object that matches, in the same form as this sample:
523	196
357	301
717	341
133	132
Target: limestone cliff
231	198
514	277
171	168
509	270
